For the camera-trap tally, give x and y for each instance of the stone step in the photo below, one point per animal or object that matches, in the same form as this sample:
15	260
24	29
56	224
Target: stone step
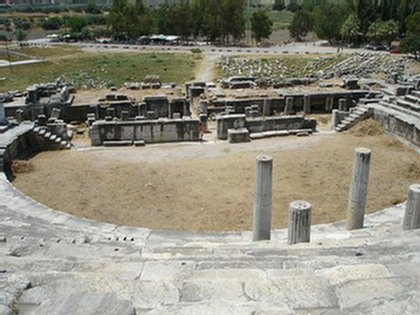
58	140
388	91
166	288
111	143
268	134
354	115
53	137
82	302
139	143
366	101
408	105
42	132
340	127
412	99
348	120
47	135
359	112
399	112
415	93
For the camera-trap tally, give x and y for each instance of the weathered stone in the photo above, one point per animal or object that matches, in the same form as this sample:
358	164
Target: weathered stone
238	135
299	223
358	189
261	223
412	210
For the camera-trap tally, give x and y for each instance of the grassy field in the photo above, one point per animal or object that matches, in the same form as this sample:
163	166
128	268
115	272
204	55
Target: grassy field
281	19
90	70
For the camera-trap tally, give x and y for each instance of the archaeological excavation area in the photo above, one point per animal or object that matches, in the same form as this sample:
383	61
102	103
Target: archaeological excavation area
155	155
151	198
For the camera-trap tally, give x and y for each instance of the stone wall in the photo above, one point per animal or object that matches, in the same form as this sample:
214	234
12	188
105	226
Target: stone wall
161	106
14	143
408	130
319	102
149	131
262	124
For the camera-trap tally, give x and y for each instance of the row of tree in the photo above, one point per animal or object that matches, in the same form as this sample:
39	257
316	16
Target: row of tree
354	21
215	20
222	21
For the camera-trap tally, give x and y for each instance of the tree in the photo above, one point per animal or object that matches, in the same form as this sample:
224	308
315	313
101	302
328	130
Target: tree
3	37
388	9
261	25
233	19
328	20
75	23
279	5
22	23
367	13
293	7
128	20
350	30
52	23
301	25
182	14
310	5
93	8
219	19
405	9
198	18
20	35
383	31
412	23
116	18
411	44
164	19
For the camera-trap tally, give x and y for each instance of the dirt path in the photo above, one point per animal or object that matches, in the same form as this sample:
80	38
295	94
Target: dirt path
206	70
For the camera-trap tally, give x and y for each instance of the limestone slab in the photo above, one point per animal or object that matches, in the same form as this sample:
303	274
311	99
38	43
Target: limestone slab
342	274
355	292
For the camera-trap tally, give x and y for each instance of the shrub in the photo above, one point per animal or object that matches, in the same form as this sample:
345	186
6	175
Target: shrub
53	23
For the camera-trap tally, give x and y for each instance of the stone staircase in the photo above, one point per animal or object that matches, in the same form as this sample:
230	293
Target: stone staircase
400	116
48	140
408	104
53	263
356	115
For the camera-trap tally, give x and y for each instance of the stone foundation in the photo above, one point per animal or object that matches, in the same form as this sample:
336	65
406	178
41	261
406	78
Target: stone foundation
261	125
149	131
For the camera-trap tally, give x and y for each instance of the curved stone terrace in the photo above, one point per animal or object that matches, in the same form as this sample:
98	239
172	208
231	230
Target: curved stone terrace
54	263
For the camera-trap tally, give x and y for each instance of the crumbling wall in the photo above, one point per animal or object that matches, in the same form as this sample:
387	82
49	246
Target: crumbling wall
262	124
407	130
15	142
149	131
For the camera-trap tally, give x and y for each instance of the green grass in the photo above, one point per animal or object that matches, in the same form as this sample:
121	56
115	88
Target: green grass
102	69
281	19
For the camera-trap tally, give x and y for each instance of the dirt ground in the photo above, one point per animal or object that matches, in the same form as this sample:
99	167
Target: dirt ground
209	186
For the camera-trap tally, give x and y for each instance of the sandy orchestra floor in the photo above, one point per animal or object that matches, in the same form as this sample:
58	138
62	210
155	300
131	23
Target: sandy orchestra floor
209	186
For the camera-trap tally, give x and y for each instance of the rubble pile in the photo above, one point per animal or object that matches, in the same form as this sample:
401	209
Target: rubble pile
277	71
86	80
270	70
366	64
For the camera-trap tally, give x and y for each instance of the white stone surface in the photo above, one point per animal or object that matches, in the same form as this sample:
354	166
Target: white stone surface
53	263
